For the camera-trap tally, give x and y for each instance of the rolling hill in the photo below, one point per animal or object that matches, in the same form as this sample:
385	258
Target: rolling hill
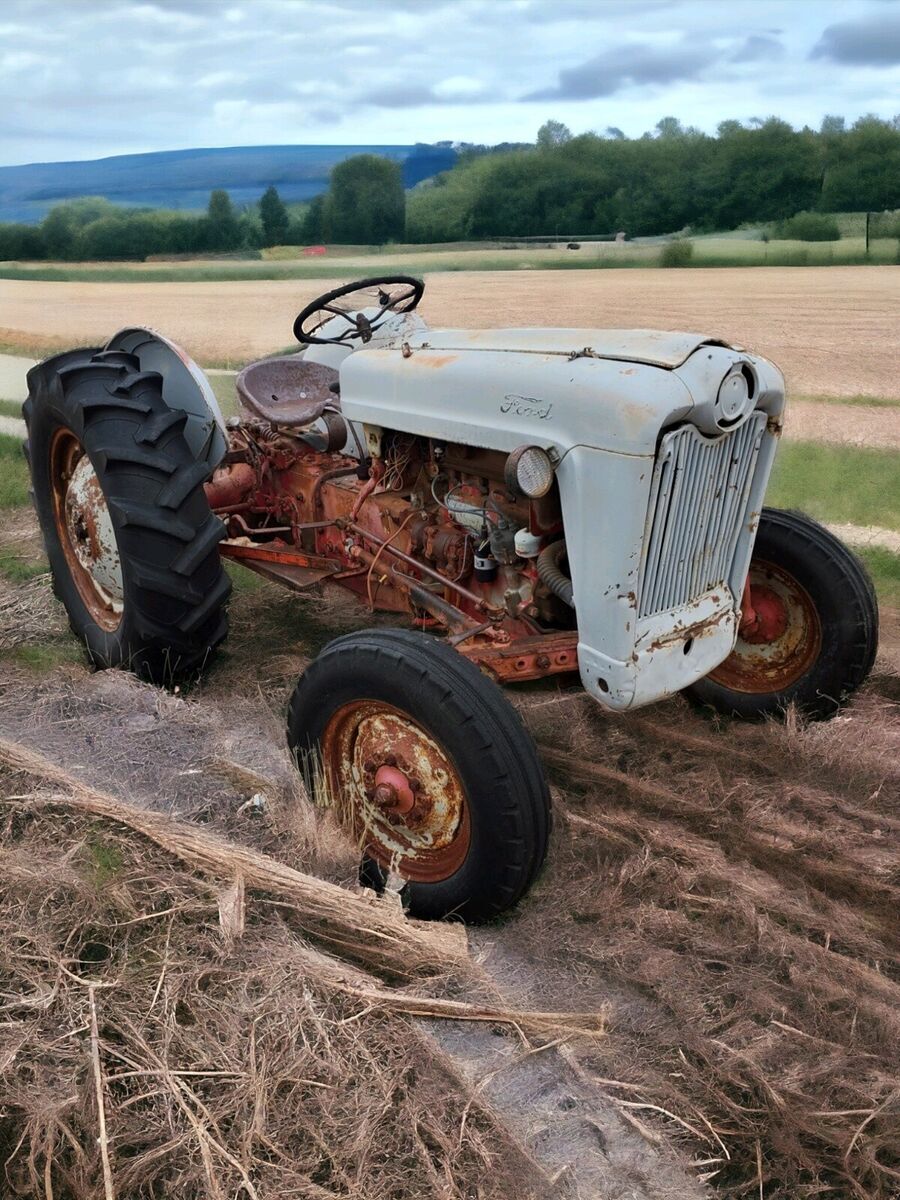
183	179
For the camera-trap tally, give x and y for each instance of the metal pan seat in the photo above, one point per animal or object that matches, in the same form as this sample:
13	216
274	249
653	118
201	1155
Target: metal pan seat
288	391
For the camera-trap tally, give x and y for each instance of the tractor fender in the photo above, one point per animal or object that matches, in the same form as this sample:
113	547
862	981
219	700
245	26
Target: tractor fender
185	388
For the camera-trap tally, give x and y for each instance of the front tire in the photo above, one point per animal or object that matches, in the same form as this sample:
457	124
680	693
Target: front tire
820	626
428	766
131	539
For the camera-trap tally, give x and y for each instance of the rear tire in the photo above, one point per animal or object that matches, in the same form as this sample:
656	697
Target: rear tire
829	645
400	705
95	416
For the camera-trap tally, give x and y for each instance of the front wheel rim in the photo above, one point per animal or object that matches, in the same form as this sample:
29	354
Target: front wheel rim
85	531
769	666
396	790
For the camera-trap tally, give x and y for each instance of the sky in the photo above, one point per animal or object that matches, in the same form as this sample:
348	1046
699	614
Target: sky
90	78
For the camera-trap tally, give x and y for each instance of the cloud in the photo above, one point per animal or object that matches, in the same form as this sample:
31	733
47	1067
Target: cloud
632	63
873	41
401	71
457	89
758	48
539	12
399	95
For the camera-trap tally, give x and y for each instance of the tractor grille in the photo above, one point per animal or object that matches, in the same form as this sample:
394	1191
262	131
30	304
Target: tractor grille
698	502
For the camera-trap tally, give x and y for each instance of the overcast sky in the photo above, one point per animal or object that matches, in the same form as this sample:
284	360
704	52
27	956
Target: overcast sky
88	78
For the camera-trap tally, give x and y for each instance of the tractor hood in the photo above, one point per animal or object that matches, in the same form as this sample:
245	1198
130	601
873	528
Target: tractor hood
652	347
501	388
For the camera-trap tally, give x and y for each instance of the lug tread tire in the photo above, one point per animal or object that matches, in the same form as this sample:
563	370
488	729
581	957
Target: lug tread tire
845	598
469	716
175	587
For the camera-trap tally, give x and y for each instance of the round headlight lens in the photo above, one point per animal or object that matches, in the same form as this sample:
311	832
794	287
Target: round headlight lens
529	471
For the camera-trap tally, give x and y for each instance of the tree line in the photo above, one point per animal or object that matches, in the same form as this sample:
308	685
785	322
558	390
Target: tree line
661	183
365	203
93	228
763	172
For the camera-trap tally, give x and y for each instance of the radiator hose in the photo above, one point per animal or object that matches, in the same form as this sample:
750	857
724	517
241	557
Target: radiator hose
550	574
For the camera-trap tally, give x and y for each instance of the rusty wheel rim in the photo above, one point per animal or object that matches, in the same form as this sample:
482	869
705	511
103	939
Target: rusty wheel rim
396	790
85	531
774	664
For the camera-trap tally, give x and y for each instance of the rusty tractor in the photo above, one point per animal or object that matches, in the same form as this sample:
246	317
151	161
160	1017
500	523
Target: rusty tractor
527	503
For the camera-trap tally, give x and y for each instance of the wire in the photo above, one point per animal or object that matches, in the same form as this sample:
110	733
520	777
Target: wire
465	506
384	545
396	461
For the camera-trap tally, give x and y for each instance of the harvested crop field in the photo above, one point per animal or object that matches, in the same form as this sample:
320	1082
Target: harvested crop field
725	895
834	331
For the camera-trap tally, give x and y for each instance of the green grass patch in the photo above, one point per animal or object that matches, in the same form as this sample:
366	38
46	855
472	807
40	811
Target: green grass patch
13	474
104	860
243	580
18	568
346	263
11	408
838	484
45	657
223	386
884	567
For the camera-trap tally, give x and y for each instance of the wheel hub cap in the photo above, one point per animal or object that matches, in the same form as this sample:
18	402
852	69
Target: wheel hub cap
397	790
780	641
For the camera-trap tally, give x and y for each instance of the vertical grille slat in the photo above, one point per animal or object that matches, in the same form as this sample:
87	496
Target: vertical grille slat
672	527
698	499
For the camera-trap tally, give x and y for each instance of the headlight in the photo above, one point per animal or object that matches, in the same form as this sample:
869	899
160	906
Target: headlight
529	472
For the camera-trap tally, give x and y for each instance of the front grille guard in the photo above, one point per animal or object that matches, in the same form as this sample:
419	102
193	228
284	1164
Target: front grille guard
699	500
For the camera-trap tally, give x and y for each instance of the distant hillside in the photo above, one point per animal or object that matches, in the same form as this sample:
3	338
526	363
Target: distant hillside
183	179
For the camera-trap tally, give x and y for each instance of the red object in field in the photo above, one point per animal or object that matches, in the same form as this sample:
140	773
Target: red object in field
309	251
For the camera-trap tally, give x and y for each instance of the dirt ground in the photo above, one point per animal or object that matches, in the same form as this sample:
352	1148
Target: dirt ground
843	424
833	331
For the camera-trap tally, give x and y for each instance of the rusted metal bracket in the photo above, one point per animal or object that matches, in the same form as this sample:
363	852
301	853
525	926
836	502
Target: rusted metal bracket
526	658
285	564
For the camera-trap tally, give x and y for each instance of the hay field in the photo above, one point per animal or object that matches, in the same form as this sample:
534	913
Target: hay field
833	332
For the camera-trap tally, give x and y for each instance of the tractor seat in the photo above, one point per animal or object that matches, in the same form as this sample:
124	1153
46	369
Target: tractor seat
288	391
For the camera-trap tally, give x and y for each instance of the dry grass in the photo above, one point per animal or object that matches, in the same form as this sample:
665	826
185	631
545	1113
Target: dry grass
741	888
182	1032
834	332
732	889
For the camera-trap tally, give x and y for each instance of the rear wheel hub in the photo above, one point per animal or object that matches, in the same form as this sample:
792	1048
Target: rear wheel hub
85	530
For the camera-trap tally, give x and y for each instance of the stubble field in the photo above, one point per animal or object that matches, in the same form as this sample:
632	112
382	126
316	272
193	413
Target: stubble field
834	332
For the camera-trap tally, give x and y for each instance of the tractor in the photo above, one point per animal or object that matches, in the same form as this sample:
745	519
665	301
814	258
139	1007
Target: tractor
522	503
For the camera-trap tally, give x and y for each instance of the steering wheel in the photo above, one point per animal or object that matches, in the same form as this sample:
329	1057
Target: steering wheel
387	293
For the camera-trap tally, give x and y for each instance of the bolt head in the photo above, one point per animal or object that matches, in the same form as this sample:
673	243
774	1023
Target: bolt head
390	760
415	785
369	766
384	795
